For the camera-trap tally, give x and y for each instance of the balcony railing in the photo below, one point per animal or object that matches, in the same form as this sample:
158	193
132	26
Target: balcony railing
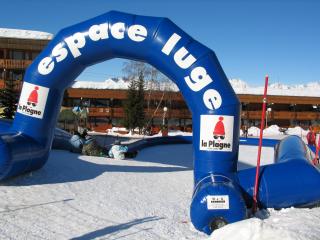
119	112
281	115
14	64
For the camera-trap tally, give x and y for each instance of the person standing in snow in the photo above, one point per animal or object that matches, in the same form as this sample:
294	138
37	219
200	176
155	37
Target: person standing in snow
311	137
245	131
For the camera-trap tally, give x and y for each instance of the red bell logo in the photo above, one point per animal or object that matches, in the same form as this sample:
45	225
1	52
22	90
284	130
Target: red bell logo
33	97
219	131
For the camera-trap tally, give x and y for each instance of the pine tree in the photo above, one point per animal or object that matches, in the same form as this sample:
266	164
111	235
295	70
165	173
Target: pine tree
134	106
130	107
8	100
140	115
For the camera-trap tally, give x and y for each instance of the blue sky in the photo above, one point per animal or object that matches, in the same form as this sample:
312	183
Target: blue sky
251	38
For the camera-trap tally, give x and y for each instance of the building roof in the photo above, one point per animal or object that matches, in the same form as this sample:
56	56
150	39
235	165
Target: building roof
24	34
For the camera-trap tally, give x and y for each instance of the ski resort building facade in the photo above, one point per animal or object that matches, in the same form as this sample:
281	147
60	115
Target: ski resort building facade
18	48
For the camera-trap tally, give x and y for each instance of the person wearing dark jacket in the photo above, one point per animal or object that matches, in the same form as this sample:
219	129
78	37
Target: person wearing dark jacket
92	148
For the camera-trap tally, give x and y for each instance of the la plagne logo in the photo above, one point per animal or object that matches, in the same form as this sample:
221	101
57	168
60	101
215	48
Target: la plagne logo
216	133
33	100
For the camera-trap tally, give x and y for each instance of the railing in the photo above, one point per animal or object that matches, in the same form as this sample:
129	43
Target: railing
282	115
14	64
119	112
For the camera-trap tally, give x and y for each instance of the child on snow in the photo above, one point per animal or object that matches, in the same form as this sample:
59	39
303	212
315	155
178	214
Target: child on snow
118	151
121	152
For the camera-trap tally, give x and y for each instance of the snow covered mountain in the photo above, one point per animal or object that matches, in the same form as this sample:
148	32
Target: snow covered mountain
24	34
241	87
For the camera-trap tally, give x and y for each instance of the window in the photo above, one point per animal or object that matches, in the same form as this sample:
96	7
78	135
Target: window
17	75
18	55
2	72
34	55
28	55
1	53
100	103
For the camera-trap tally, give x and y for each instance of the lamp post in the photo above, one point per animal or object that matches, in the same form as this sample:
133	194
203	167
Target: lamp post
267	113
165	109
164	128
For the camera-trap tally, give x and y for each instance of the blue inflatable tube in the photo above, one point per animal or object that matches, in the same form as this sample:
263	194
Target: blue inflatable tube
291	181
255	142
155	141
61	138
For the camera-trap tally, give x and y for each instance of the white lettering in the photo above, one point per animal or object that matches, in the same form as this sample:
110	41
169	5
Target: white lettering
59	52
137	33
97	32
182	60
212	99
45	66
199	79
170	44
75	42
117	30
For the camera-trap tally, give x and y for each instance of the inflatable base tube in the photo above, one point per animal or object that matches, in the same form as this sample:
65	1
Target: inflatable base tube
15	149
291	181
216	202
155	141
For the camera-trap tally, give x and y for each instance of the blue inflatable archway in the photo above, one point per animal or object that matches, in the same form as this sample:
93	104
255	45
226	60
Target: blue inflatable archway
219	196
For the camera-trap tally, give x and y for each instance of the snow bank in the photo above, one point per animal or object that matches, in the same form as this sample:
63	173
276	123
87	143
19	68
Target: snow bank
275	131
24	34
298	131
253	131
272	130
287	224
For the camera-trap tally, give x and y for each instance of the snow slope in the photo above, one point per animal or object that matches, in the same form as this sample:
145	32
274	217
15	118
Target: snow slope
82	197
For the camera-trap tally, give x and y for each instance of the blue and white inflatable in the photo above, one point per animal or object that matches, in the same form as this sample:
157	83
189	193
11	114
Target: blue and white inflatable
222	195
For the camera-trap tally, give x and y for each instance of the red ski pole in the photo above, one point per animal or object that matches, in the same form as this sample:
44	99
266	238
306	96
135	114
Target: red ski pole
263	115
316	158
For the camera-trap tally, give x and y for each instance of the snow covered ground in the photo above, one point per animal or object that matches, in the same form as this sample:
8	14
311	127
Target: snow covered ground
82	197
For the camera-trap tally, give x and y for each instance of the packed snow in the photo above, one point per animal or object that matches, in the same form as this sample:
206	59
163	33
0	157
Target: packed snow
85	197
240	87
24	34
274	131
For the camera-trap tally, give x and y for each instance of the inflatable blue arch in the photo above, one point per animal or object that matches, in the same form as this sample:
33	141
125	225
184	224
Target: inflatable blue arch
221	194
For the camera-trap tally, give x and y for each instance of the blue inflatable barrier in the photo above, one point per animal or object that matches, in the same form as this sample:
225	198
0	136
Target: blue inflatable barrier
220	192
255	142
291	181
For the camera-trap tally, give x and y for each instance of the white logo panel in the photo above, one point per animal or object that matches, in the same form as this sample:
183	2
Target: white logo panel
216	132
33	100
